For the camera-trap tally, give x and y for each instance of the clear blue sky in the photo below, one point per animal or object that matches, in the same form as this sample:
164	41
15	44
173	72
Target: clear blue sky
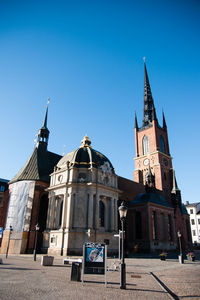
87	57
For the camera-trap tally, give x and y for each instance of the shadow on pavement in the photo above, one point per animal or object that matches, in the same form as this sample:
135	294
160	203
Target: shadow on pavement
17	269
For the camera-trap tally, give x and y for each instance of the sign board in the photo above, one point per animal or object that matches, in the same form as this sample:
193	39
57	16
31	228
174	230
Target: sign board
94	259
1	232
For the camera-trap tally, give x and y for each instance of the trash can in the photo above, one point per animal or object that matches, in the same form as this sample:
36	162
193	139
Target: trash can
76	271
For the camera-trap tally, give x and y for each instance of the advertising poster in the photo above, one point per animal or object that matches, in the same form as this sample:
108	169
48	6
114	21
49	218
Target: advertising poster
94	254
94	258
1	232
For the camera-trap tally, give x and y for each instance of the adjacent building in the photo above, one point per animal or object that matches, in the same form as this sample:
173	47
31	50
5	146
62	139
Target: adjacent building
193	210
4	199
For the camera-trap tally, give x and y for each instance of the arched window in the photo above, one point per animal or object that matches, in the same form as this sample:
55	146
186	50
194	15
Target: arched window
138	225
162	144
60	214
101	214
146	148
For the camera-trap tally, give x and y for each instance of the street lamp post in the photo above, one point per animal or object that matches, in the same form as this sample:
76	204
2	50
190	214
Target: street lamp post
181	254
35	244
122	213
10	230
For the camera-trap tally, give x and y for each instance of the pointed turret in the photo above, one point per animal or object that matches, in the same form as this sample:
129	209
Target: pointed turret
164	122
150	181
136	122
149	108
176	194
43	133
175	188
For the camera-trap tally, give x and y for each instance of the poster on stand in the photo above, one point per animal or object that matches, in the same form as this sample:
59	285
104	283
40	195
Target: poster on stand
94	258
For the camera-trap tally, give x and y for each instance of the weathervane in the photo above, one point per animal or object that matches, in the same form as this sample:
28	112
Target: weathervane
144	59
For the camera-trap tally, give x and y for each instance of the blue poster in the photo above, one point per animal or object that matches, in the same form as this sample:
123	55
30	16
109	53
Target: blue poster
94	254
1	232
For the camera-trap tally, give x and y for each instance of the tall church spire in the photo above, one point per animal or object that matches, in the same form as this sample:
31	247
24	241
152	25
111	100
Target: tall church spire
43	133
149	109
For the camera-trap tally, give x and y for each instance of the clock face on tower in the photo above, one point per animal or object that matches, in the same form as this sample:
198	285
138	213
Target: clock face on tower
146	162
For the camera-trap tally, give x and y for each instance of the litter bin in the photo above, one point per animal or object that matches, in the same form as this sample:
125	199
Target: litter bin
76	271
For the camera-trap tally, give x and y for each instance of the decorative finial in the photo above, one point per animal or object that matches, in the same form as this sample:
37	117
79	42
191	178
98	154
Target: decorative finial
48	102
144	59
85	142
64	149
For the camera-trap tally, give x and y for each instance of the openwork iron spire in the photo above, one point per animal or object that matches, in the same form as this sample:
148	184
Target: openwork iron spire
149	109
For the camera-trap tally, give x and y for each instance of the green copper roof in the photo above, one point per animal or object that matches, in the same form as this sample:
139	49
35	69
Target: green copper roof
38	167
150	197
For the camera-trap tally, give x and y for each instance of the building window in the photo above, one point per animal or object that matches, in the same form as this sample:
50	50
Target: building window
101	214
199	221
170	231
193	232
138	225
192	222
191	211
154	225
60	214
2	188
162	144
163	226
188	230
146	148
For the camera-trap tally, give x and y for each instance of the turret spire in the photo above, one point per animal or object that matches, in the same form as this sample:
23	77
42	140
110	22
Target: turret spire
46	114
164	122
43	133
149	109
136	122
150	181
175	188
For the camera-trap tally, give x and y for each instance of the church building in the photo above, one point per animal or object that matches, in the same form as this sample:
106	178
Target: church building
75	198
156	212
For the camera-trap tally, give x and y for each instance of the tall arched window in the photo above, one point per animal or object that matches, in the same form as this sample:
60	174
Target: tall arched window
162	144
101	214
138	225
146	148
60	214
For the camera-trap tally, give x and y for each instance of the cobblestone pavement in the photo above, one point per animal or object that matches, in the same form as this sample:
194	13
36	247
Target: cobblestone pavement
21	278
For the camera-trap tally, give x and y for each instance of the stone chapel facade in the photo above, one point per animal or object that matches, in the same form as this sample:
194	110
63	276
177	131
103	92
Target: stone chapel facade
83	195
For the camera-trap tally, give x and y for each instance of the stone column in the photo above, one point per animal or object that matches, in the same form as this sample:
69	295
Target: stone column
64	212
112	215
90	211
70	210
51	208
115	215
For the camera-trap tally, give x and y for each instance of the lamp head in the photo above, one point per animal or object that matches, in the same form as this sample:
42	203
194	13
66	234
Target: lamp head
123	211
37	227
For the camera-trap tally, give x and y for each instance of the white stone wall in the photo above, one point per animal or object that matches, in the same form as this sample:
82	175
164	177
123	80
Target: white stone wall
81	190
